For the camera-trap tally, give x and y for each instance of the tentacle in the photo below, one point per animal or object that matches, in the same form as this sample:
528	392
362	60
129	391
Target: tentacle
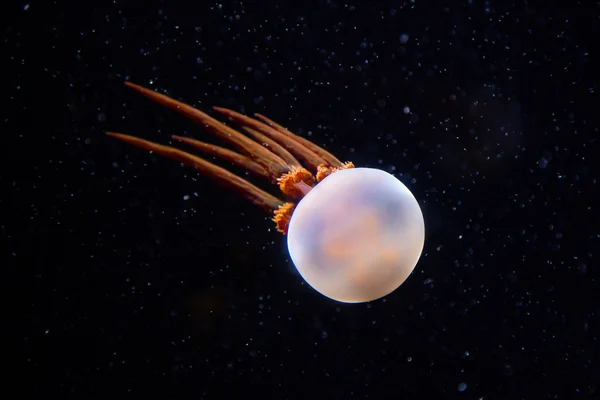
226	154
221	175
273	146
272	162
327	156
296	148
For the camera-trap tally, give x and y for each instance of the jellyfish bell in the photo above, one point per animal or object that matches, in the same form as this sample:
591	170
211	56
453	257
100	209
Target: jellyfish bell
357	235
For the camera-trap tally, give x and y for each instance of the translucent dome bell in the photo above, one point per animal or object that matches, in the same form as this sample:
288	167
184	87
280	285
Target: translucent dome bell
357	235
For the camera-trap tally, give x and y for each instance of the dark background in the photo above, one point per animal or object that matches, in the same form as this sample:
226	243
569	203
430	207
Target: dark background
128	274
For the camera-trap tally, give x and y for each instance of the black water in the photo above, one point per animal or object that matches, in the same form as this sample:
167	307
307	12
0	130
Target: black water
125	274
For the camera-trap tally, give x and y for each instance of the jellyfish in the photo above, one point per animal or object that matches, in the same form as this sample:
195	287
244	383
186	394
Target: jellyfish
354	234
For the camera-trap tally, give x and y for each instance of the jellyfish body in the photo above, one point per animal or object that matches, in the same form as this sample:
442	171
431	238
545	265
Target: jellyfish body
354	234
357	235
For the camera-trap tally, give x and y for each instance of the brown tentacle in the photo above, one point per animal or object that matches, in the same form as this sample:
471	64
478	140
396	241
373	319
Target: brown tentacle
273	146
226	154
327	156
254	194
273	163
296	148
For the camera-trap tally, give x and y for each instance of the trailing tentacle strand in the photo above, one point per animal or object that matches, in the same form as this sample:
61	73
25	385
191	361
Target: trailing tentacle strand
327	156
296	148
226	154
273	146
221	175
275	164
